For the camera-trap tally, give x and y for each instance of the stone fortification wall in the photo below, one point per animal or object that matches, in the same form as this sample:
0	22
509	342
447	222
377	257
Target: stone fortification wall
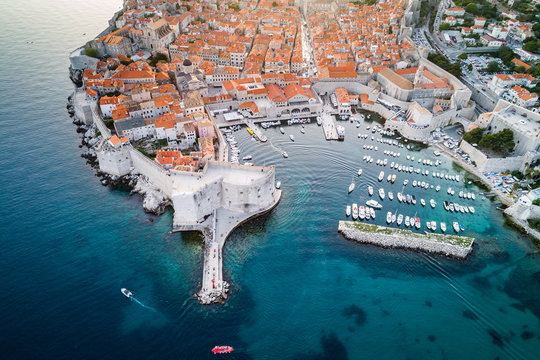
155	173
403	242
486	164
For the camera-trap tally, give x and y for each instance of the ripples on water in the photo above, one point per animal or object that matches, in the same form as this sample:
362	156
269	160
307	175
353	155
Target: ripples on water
69	245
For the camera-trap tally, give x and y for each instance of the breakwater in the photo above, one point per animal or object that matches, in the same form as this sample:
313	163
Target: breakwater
441	244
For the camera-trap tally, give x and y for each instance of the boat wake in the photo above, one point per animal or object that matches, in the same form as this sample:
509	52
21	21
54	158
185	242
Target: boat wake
143	305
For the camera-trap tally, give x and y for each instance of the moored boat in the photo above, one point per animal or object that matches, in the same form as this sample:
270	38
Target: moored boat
455	225
374	204
443	227
370	190
354	211
222	349
348	210
381	193
432	203
291	136
381	176
399	220
389	217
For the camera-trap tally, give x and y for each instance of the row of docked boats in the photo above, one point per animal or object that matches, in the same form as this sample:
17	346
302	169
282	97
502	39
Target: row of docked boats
235	151
455	207
362	213
467	195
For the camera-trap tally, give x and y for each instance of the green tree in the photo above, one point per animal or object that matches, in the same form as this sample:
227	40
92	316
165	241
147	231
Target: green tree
502	141
472	8
463	56
474	136
531	46
469	67
493	66
91	52
444	26
274	4
506	55
235	7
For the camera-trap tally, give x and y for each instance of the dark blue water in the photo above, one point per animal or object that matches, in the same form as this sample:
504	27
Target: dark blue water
299	290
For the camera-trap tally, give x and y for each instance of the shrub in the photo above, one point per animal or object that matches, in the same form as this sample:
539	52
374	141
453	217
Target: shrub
91	52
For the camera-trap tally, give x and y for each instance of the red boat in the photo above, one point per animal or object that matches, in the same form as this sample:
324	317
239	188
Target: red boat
222	349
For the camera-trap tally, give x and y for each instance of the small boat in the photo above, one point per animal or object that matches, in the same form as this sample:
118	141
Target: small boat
359	172
438	188
388	178
381	176
381	193
362	213
432	203
302	130
414	183
374	204
126	292
393	179
249	157
319	120
354	211
285	155
473	196
461	227
370	190
291	136
394	217
409	198
460	194
428	224
413	200
434	226
348	210
407	222
399	219
471	209
443	227
389	217
222	349
400	197
278	185
437	153
445	204
351	187
372	212
451	207
390	195
423	202
405	182
455	225
282	130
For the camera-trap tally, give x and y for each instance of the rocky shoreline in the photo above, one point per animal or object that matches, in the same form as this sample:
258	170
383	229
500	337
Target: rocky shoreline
154	201
379	236
215	297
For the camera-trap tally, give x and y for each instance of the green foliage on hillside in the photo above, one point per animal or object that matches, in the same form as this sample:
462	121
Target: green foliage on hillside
91	52
441	61
502	141
474	136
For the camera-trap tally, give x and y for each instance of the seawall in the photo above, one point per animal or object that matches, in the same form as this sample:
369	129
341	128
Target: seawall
453	246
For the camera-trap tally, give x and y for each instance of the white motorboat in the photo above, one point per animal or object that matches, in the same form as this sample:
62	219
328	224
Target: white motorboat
355	211
370	190
374	204
394	217
443	227
393	179
434	226
460	194
405	182
389	217
428	225
471	209
417	223
282	130
413	200
438	188
414	183
278	185
291	136
302	130
359	172
389	177
400	197
432	203
285	155
399	220
390	195
381	193
249	157
407	222
423	202
372	212
455	225
381	176
362	213
348	210
126	292
351	187
319	120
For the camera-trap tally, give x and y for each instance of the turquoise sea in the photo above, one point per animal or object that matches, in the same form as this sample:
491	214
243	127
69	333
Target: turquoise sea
299	290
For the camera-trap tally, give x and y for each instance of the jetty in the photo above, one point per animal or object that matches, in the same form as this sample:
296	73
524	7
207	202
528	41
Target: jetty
329	127
449	245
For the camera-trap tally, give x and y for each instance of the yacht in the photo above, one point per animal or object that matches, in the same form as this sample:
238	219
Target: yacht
409	198
362	213
399	219
432	203
455	225
446	206
381	193
394	217
370	190
381	176
282	130
354	211
391	196
413	200
451	207
460	194
126	292
389	178
388	217
438	188
374	204
291	136
443	227
249	157
348	210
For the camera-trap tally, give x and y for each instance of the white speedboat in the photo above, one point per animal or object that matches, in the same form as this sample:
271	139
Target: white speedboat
399	220
389	177
285	155
374	204
417	223
455	225
438	188
400	197
390	195
359	172
414	183
355	211
126	292
432	203
302	130
405	182
434	226
362	213
351	187
278	185
381	193
443	227
319	120
372	212
370	190
393	179
249	157
471	209
389	217
348	210
282	130
407	222
381	176
423	202
291	136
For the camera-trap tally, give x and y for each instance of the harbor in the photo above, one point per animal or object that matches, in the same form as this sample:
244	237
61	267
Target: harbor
386	237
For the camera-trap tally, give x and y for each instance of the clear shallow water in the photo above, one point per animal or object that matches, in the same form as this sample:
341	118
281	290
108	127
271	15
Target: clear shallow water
299	289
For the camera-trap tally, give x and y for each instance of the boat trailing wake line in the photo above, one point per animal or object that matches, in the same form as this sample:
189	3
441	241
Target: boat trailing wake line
143	305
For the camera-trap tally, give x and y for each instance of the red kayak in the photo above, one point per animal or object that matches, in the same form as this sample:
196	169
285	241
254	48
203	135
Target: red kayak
222	349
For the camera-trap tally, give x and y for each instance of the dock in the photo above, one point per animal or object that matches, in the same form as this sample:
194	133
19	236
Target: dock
257	132
449	245
329	127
